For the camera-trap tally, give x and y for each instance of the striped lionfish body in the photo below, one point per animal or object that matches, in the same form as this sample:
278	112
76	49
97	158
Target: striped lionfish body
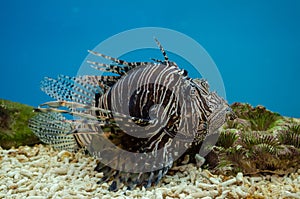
137	122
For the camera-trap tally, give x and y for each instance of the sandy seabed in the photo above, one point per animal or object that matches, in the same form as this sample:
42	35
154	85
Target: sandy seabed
41	172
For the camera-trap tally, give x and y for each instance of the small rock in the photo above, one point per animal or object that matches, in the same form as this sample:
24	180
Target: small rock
22	158
62	155
36	197
228	182
239	178
199	160
60	171
28	151
186	159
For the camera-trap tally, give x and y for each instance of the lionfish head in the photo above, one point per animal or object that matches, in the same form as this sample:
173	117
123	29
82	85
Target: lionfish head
217	109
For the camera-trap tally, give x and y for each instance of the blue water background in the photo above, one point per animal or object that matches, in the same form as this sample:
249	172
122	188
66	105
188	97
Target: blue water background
255	44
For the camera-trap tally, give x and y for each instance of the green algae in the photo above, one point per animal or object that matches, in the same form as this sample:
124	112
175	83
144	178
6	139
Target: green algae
14	129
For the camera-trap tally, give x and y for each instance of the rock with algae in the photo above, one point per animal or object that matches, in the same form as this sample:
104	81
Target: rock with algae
258	141
14	129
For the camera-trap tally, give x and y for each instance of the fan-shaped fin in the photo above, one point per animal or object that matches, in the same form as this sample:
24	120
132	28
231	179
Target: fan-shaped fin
77	89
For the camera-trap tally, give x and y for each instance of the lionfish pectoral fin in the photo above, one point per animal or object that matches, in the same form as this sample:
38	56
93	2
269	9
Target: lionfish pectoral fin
52	128
80	89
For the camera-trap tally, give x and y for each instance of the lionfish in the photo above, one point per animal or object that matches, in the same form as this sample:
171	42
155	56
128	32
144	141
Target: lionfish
137	122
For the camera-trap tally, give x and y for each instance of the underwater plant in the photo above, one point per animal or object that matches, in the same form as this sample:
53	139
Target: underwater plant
255	118
227	138
291	135
14	129
264	146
